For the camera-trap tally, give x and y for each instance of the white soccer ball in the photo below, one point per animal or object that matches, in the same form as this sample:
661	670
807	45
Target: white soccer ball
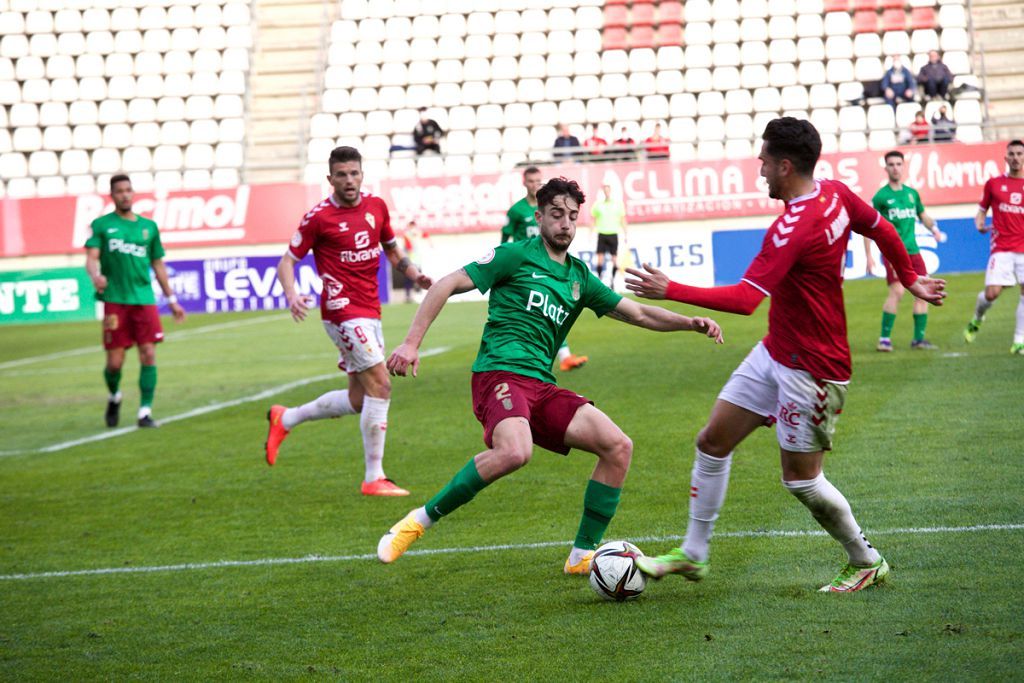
614	574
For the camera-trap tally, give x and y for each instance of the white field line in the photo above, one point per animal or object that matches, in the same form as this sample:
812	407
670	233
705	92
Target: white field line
195	412
270	561
172	336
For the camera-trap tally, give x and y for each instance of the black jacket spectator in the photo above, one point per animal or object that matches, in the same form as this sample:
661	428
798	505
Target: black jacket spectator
943	127
935	76
427	134
566	140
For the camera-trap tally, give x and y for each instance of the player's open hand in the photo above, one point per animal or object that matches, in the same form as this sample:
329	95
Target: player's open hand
932	290
299	307
870	267
404	357
424	281
178	312
708	327
649	283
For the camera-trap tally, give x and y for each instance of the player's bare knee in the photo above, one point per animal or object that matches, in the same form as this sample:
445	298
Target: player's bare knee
713	444
620	451
515	456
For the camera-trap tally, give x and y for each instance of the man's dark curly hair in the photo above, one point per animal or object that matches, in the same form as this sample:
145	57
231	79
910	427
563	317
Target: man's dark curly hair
559	186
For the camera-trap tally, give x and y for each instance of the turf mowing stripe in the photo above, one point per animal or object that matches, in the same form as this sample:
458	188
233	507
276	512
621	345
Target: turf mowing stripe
95	348
195	412
755	533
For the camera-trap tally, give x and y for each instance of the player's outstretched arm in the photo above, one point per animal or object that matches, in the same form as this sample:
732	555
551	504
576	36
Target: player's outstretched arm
651	283
160	270
92	266
661	320
406	356
297	305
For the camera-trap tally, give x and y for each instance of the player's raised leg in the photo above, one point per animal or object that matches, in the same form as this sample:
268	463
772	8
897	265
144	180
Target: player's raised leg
283	419
511	448
593	431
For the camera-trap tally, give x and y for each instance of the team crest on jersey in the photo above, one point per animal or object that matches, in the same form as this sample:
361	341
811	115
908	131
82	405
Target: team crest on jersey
486	258
296	239
1015	197
370	220
575	290
145	233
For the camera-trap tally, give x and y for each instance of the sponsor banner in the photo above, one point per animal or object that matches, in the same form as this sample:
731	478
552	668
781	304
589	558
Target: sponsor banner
659	191
52	295
963	251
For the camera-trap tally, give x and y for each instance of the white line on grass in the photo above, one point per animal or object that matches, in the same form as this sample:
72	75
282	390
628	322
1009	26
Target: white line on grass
270	561
195	412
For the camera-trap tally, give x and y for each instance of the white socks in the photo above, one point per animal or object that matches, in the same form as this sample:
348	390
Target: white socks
1018	333
421	516
331	404
708	483
373	422
833	513
981	306
563	353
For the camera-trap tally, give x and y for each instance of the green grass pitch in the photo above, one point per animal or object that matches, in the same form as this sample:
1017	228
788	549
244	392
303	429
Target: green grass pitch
928	451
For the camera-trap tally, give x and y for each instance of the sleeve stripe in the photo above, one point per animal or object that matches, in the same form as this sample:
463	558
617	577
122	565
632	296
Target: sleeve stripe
390	243
292	254
878	217
757	287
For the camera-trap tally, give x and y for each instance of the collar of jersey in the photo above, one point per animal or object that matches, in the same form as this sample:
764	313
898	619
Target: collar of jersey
809	195
550	265
335	204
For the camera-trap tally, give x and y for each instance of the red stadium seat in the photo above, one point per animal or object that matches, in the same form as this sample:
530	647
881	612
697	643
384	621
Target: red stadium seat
837	5
615	15
669	34
643	14
865	22
617	2
894	20
892	4
859	5
614	38
670	12
922	17
641	36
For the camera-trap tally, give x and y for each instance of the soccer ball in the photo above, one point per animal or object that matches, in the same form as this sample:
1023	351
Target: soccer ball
614	574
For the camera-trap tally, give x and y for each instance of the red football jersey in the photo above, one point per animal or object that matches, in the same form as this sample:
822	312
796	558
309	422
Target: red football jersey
346	243
1006	197
800	267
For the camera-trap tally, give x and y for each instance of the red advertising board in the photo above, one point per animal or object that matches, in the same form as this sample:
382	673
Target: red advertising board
653	192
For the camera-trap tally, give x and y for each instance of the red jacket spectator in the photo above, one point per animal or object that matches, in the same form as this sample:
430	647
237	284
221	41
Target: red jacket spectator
919	129
656	145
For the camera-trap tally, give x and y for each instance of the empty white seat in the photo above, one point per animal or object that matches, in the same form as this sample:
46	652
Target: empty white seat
852	142
710	150
924	40
380	123
51	114
50	186
586	87
839	71
146	133
698	80
105	160
698	10
228	106
36	90
167	157
642	83
967	112
754	76
811	72
475	93
896	43
868	69
642	59
795	97
781	27
199	155
121	87
810	26
627	108
615	85
600	110
575	111
615	61
754	28
852	119
116	135
739	101
812	49
24	114
849	91
881	139
710	103
195	179
781	74
954	39
19	188
682	105
839	47
29	67
135	159
27	139
174	133
881	117
838	24
167	180
487	141
669	57
725	31
14	45
767	99
654	107
517	114
780	51
726	54
586	63
64	21
669	81
699	57
825	120
43	163
823	96
867	45
725	9
740	126
73	162
952	16
697	34
13	165
738	149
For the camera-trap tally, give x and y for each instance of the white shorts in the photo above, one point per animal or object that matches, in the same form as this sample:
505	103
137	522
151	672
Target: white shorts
1005	268
360	343
804	409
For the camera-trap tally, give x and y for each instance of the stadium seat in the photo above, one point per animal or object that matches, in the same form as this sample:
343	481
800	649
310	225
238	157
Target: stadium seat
725	31
615	38
825	120
739	101
837	5
641	37
753	28
896	43
670	12
781	74
27	139
767	100
682	105
894	20
73	162
881	117
13	165
852	142
864	22
781	28
867	45
923	40
697	34
754	76
922	18
864	5
954	39
868	69
838	24
669	34
698	80
642	14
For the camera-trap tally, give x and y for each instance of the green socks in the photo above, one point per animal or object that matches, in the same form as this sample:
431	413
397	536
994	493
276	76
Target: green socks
147	384
459	491
888	321
599	504
920	324
113	380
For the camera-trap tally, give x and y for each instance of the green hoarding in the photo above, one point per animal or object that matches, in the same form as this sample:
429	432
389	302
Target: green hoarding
48	295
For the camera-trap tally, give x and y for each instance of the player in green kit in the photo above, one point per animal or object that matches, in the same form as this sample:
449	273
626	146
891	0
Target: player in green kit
118	256
537	291
901	206
521	224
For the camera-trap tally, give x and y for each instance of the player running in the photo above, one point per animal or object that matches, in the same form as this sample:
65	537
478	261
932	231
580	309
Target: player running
902	206
346	232
797	376
521	224
537	291
1005	194
118	257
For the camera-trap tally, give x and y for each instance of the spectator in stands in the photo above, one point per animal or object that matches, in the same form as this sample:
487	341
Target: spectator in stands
898	83
919	129
594	145
624	146
656	145
943	127
566	144
427	134
935	76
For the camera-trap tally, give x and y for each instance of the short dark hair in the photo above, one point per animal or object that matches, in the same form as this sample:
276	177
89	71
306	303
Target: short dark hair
1015	143
894	153
530	170
559	186
119	178
340	155
793	139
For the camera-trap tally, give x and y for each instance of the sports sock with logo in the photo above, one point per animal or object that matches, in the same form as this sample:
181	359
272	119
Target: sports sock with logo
460	490
599	504
832	511
113	380
147	384
373	423
981	306
888	322
331	404
920	325
1018	334
709	481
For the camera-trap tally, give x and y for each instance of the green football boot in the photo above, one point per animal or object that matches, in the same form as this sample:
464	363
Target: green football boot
674	561
852	578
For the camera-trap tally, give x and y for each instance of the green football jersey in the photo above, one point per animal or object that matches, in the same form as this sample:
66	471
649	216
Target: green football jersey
521	222
126	250
901	208
534	301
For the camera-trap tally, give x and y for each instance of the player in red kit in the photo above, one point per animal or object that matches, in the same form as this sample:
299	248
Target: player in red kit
347	232
796	377
1005	195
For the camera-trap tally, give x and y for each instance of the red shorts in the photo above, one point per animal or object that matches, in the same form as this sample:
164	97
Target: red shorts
916	262
549	409
125	325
